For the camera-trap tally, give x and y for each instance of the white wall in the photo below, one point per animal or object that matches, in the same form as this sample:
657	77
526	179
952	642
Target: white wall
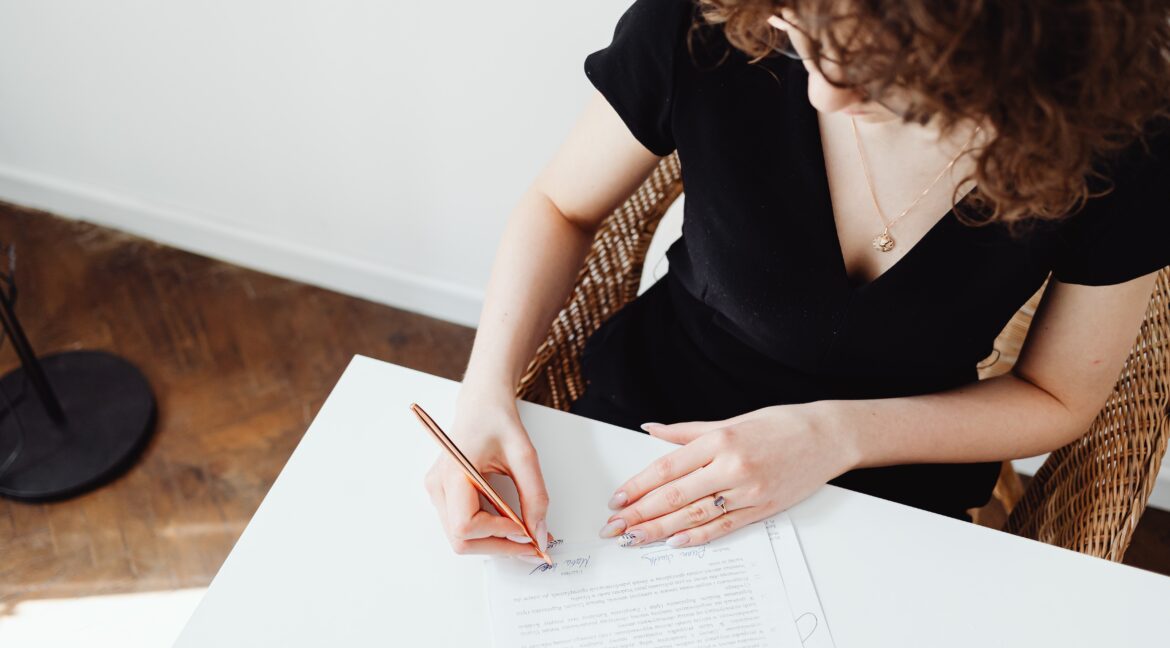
373	147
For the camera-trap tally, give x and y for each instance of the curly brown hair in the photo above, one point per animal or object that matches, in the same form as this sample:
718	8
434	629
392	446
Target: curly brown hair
1064	83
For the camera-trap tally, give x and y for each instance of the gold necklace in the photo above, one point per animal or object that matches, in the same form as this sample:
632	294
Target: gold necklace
884	242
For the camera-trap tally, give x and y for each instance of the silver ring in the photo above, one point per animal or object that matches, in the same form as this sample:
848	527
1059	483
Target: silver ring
721	503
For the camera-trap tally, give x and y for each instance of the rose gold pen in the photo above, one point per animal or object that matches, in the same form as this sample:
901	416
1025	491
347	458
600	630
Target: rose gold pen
474	475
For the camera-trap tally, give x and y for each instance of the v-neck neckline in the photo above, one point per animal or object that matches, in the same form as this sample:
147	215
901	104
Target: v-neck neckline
822	184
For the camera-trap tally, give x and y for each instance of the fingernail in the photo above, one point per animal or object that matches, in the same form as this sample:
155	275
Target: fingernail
542	535
631	538
678	540
643	426
517	538
615	527
618	500
532	560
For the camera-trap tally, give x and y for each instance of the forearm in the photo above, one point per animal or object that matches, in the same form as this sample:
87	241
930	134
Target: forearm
1005	417
536	264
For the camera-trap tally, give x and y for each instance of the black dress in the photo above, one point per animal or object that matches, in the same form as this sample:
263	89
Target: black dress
757	309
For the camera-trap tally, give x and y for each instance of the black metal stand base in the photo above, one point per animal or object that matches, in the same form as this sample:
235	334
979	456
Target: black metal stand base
109	415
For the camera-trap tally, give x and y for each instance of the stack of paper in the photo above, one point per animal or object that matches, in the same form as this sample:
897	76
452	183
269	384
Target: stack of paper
750	588
725	593
803	601
746	590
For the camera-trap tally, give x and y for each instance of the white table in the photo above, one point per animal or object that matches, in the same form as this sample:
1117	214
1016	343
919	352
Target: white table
346	550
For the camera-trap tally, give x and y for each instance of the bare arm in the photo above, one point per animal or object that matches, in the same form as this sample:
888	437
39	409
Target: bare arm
545	241
539	255
1068	366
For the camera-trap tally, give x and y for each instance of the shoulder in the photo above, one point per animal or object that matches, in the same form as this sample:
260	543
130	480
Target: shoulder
663	9
1135	179
674	26
1121	232
1146	159
656	19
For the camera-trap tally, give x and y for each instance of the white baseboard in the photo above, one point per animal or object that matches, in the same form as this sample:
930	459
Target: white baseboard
193	233
1160	498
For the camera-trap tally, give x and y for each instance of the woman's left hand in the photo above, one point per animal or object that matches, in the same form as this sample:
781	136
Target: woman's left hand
760	463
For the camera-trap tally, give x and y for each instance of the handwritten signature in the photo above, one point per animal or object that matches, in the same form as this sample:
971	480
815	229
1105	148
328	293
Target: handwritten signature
567	565
669	555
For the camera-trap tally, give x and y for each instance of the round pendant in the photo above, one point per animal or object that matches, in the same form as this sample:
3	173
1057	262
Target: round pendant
884	242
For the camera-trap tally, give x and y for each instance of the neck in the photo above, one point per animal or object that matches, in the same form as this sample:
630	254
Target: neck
891	130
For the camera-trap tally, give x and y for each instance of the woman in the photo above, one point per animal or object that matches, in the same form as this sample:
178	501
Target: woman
873	189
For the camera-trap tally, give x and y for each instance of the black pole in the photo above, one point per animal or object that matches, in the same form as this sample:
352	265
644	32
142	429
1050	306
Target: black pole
28	360
94	413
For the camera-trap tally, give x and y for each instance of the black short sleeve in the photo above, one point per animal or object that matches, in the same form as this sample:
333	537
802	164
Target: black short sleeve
1126	233
636	73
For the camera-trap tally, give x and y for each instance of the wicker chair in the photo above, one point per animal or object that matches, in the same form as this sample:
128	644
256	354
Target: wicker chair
1088	496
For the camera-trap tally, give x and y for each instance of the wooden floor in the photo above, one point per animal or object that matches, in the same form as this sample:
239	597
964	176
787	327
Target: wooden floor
240	362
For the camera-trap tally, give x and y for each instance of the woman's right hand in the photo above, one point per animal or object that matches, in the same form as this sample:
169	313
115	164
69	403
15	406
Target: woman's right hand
488	430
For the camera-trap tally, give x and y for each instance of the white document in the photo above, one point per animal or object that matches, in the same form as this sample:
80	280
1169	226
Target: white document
580	482
798	584
726	593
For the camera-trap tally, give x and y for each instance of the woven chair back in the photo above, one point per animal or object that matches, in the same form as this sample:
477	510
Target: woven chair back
1089	495
607	281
